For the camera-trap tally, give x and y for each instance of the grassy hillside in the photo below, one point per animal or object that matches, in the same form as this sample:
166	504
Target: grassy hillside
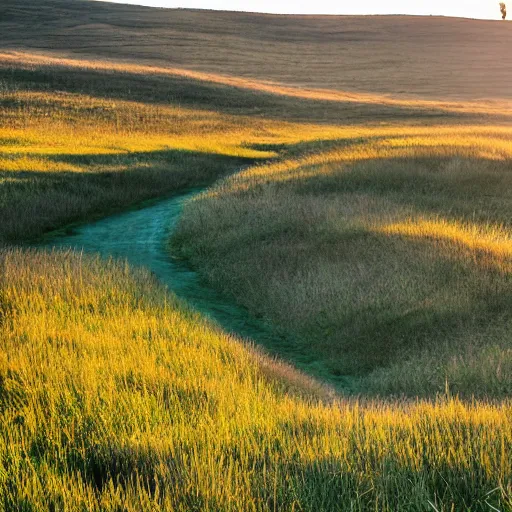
405	56
113	396
78	142
85	137
360	210
388	256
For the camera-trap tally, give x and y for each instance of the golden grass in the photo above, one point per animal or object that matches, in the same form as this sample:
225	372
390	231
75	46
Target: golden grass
114	396
110	153
496	107
387	257
116	151
494	240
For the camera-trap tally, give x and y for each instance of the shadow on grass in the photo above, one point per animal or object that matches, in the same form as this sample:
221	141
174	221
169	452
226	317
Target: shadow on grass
426	185
414	294
34	202
174	90
283	480
390	327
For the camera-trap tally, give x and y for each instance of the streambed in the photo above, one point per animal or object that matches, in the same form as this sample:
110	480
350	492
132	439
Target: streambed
141	238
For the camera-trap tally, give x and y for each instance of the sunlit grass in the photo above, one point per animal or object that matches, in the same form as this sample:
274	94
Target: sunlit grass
502	108
354	144
495	241
384	253
113	394
46	135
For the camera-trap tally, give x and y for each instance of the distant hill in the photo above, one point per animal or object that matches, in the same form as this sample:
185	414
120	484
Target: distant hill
429	57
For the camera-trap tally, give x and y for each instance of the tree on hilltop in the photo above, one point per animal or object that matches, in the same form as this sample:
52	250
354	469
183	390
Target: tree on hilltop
503	9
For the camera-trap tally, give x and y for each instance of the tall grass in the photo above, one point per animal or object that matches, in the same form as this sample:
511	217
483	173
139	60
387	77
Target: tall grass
114	396
67	155
388	257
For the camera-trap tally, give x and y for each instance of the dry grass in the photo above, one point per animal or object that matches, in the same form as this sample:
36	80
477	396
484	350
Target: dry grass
113	396
68	129
387	258
406	57
67	156
493	107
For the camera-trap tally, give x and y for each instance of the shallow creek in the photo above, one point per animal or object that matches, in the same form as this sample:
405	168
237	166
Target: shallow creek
141	237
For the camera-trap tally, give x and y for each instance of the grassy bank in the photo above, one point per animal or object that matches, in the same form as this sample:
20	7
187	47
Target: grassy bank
67	156
388	255
84	138
113	396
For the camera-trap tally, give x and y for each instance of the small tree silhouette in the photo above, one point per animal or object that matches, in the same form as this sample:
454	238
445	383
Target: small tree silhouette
503	9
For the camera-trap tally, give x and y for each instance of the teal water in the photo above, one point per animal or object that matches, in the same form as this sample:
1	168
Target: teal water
141	238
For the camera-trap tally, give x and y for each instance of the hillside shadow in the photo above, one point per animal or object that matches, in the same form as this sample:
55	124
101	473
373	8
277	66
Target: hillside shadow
34	202
383	334
426	186
425	307
232	100
444	289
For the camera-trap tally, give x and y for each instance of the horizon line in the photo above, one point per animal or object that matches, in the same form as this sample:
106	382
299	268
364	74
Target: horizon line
267	13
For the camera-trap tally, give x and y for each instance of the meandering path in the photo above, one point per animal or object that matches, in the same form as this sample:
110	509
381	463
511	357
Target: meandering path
141	238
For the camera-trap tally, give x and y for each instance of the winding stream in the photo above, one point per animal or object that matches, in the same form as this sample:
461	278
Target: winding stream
141	238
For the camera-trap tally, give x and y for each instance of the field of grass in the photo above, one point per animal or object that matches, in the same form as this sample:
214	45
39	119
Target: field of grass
388	255
367	226
407	57
81	138
113	396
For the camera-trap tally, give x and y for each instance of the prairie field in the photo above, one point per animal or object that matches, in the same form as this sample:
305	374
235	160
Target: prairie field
116	397
388	256
356	177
